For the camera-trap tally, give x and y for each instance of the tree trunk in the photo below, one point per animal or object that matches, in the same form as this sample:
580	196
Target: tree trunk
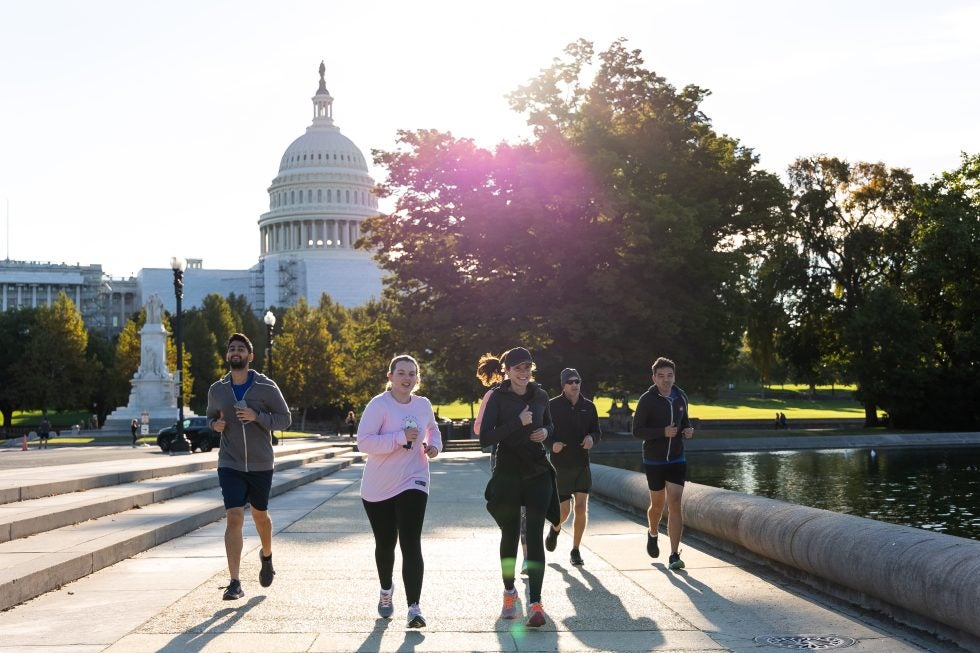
870	414
8	417
302	421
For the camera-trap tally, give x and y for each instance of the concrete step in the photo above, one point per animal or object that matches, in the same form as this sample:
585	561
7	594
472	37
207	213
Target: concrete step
32	483
461	445
30	566
25	518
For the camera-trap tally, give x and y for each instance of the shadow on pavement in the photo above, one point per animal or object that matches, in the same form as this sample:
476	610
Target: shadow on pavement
202	636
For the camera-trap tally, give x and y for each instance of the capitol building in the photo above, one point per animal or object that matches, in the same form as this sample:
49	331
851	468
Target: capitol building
317	202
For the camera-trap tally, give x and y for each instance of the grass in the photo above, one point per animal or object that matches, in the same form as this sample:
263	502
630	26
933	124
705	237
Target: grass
746	403
150	440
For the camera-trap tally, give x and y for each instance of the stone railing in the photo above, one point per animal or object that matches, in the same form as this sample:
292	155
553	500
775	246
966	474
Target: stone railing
925	579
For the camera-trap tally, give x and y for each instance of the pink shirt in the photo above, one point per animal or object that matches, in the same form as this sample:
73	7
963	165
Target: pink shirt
391	468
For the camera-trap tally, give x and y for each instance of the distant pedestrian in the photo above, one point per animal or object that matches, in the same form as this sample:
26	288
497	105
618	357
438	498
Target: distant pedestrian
351	422
517	420
576	432
245	407
398	432
133	428
43	432
661	415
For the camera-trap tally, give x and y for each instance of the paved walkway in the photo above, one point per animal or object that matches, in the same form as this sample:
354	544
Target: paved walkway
324	597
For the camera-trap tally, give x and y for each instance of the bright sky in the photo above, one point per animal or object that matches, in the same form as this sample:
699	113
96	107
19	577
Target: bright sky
133	130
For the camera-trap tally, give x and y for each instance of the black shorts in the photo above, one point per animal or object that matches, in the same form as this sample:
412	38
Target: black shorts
659	475
239	488
572	480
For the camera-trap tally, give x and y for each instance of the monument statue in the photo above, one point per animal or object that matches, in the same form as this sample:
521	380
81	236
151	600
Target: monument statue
154	386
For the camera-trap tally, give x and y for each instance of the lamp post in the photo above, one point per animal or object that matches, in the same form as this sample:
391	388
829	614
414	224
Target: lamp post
180	443
270	325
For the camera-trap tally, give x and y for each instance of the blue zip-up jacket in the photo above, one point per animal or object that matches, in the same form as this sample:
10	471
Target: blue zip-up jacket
247	447
653	413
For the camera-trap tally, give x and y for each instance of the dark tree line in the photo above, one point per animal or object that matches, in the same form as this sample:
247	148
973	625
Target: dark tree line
624	229
628	228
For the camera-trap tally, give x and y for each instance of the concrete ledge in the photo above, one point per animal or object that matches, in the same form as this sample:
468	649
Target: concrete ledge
921	573
49	560
15	488
49	513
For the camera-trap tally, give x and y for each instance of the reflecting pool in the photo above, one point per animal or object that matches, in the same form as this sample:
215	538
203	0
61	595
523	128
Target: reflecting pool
934	489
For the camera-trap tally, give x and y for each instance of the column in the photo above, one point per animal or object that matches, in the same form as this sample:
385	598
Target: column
34	296
4	298
78	297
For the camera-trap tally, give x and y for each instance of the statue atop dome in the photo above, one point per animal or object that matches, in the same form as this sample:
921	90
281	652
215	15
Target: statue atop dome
323	82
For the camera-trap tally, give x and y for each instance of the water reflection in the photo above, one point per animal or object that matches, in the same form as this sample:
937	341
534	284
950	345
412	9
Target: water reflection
934	489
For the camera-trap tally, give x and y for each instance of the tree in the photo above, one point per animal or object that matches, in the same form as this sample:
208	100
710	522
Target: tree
206	365
623	231
220	321
944	285
105	390
15	329
849	224
307	368
53	373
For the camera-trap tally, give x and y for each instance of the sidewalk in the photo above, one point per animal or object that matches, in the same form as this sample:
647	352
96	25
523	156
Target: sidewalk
325	593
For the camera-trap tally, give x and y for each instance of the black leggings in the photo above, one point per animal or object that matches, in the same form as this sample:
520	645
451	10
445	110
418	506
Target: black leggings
399	519
535	494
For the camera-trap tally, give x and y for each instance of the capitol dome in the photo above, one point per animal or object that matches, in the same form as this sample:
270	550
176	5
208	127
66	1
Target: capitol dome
317	202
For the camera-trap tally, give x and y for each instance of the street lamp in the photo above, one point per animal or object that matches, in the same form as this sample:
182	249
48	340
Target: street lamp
270	325
180	443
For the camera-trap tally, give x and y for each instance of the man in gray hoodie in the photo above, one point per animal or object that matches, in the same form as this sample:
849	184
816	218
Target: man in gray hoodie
246	407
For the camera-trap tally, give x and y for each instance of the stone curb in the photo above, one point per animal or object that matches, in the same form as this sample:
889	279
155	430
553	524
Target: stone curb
922	573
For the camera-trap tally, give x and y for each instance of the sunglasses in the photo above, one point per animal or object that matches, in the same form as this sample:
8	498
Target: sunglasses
573	381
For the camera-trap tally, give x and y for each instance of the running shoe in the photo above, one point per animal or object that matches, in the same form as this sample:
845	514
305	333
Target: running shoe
576	558
551	541
415	618
385	607
511	608
652	549
267	573
675	562
535	618
234	591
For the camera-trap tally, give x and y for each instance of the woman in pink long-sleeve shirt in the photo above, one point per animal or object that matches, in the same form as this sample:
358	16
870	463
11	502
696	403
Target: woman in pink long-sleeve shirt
399	433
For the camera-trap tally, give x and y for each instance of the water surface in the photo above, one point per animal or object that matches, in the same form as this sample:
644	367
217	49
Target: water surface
933	489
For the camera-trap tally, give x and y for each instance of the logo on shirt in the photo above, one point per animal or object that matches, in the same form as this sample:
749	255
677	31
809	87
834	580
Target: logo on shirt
422	483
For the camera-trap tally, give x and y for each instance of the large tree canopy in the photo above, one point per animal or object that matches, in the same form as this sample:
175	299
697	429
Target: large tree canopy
621	232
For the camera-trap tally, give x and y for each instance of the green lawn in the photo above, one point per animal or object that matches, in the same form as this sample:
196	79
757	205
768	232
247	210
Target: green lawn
791	400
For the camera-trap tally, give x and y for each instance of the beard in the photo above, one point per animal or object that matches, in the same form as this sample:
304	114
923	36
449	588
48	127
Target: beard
238	363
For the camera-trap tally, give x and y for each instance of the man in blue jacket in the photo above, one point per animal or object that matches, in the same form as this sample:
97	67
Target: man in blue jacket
661	415
245	407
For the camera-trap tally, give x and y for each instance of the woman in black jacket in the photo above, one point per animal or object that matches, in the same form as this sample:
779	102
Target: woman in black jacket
517	420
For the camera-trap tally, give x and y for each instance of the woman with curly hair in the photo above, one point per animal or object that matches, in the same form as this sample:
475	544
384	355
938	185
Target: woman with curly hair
517	420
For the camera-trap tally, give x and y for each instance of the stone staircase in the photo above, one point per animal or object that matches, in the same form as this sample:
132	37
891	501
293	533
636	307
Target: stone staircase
60	523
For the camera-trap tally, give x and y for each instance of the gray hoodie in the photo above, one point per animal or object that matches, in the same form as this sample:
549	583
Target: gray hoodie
247	447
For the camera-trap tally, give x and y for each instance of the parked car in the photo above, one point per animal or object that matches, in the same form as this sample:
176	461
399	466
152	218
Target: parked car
197	432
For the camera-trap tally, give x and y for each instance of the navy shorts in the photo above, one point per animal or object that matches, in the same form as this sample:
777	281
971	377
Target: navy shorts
659	475
239	488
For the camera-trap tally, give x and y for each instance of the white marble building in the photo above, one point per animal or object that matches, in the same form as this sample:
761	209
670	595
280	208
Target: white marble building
317	202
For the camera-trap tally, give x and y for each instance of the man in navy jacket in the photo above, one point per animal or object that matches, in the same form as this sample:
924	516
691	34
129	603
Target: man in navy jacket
661	415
